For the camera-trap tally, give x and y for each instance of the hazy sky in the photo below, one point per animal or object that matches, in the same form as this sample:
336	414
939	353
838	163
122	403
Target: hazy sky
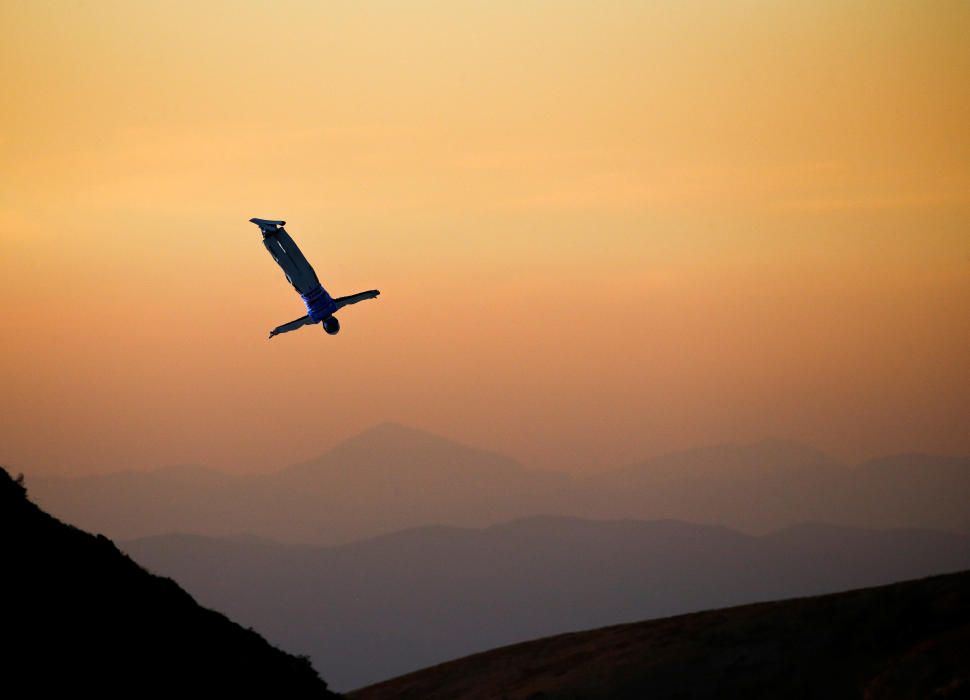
601	230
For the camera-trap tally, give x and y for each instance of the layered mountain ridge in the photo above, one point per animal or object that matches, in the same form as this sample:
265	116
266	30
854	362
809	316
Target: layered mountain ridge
391	477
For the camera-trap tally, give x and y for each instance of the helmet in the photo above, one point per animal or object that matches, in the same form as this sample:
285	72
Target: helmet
331	325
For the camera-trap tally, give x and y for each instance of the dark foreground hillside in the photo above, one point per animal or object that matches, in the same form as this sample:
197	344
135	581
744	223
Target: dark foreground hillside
906	640
80	618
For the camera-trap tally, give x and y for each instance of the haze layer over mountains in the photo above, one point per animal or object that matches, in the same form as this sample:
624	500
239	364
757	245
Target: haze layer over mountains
378	608
392	477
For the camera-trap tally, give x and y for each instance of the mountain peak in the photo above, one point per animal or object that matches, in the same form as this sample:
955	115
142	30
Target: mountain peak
397	441
396	450
398	432
392	430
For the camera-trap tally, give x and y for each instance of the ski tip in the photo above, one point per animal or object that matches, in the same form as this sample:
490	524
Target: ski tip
267	223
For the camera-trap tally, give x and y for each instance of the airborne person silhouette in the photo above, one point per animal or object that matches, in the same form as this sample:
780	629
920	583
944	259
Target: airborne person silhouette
320	306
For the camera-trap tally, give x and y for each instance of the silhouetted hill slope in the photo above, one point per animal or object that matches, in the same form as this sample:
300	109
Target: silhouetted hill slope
381	607
908	640
391	477
81	618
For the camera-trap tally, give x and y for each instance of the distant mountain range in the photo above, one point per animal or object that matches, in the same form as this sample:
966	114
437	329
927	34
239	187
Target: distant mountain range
81	619
906	641
392	477
381	607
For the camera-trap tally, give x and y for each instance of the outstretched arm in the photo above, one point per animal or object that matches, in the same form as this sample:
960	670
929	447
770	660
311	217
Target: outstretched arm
291	326
354	298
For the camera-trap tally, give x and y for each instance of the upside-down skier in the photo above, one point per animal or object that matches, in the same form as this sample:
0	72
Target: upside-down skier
320	306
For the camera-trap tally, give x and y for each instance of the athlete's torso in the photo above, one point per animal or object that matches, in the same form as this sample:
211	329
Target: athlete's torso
319	304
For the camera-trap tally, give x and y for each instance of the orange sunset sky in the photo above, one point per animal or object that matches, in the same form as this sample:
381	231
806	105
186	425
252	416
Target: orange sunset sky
602	230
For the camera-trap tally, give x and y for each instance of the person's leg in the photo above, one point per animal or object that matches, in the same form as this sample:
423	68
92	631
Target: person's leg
295	273
296	255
